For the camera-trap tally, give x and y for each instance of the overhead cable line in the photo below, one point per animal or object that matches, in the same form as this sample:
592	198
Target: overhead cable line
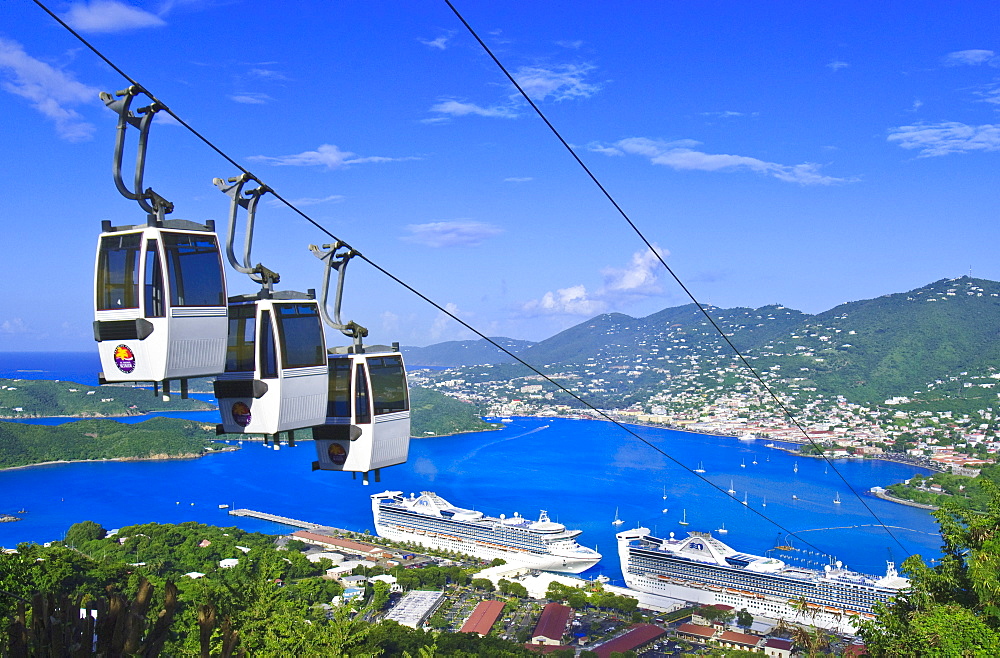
408	287
669	270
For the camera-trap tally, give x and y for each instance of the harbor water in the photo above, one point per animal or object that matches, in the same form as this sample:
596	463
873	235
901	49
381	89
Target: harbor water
580	471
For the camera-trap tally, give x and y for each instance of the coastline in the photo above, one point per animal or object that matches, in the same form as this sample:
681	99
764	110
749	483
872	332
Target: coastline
903	501
152	458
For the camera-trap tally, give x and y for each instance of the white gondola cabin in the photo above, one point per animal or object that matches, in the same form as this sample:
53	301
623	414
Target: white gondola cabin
160	302
368	413
275	378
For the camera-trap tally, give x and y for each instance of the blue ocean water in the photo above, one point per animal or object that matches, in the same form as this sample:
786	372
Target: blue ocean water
580	471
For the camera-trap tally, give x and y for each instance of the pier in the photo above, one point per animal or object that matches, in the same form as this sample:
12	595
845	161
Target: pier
284	520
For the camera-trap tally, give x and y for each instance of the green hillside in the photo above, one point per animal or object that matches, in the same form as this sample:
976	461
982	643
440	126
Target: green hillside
39	398
435	414
22	444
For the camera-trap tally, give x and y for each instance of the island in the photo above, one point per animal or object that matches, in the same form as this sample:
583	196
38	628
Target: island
42	398
89	440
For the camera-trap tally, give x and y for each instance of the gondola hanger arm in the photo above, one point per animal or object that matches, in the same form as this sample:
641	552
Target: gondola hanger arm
248	200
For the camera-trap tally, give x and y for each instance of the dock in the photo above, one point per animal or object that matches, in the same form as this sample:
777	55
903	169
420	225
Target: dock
284	520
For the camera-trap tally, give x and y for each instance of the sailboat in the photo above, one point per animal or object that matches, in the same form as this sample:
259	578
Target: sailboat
722	530
731	491
743	464
796	467
664	492
754	460
617	521
836	500
744	499
684	520
765	502
700	469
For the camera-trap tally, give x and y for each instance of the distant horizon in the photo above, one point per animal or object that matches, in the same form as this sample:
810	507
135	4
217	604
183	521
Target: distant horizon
84	350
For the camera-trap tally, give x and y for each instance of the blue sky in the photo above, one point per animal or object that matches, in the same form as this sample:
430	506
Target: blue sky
775	152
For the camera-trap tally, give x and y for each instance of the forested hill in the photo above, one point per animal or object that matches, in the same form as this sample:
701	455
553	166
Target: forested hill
867	351
463	352
22	444
39	398
435	414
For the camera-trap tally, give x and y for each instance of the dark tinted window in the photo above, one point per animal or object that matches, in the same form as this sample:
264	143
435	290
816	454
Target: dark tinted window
388	384
153	282
194	267
362	410
300	330
268	353
338	402
118	272
240	348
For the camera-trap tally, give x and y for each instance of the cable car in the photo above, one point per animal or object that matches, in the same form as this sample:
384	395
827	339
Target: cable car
368	404
160	302
275	377
367	415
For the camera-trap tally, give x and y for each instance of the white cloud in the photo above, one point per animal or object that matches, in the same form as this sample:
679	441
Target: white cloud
946	137
990	94
565	301
267	74
109	16
572	45
726	114
917	104
451	234
518	179
561	83
680	155
457	109
307	201
327	155
48	89
836	65
14	326
638	279
441	43
442	320
251	98
970	58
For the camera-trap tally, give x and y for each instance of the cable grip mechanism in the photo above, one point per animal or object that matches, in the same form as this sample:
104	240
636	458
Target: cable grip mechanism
120	103
247	199
336	256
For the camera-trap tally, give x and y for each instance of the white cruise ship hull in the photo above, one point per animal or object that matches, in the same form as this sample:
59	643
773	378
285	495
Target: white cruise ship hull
485	551
432	522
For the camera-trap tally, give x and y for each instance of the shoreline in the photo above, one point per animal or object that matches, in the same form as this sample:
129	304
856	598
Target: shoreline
162	458
903	501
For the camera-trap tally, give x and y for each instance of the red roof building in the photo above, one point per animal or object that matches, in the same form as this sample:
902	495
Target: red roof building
483	617
552	624
697	631
777	647
343	544
637	637
734	640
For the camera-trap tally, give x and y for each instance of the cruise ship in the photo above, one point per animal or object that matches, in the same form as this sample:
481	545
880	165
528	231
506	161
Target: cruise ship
430	520
702	569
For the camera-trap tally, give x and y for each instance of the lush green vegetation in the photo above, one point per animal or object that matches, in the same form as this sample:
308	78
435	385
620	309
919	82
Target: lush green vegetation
22	444
959	491
273	602
952	608
579	599
40	398
435	414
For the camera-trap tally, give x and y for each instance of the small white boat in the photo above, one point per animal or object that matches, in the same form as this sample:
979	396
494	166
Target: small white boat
794	497
731	491
764	504
754	460
722	530
796	467
223	506
684	519
700	469
743	464
836	500
617	521
744	499
665	510
664	492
